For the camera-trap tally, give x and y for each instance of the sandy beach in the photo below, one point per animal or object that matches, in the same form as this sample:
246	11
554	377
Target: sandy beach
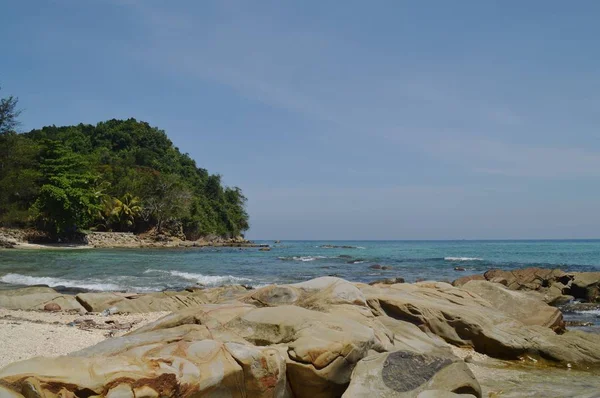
28	334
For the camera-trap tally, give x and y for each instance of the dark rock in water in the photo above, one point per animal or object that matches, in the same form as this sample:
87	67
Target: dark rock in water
337	247
52	307
195	288
381	267
70	290
460	269
265	249
277	241
247	287
388	281
357	261
344	256
553	283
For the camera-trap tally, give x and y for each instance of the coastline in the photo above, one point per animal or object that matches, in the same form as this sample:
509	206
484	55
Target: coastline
21	239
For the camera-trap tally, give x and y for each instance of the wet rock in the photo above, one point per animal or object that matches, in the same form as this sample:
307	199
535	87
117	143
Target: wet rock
586	286
460	269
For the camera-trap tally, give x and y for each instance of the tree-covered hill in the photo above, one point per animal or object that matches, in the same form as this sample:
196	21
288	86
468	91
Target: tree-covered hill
119	175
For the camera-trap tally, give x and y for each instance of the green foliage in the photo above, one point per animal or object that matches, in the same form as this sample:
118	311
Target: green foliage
9	114
120	175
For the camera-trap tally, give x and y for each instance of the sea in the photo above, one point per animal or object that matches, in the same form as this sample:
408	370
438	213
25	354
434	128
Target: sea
145	270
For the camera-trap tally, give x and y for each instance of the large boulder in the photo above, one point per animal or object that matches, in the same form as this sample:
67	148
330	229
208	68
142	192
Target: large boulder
529	309
526	278
140	303
402	374
465	319
586	286
183	362
36	298
322	349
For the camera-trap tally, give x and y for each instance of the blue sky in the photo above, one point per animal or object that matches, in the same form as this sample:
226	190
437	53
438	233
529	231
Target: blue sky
347	120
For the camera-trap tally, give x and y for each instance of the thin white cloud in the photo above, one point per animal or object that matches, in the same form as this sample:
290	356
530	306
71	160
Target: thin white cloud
493	157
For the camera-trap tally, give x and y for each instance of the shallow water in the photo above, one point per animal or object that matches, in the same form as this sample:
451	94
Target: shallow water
289	261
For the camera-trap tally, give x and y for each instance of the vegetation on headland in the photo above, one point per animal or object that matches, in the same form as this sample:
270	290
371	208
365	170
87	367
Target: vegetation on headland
119	175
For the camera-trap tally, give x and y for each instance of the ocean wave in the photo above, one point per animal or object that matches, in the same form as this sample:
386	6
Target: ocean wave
340	247
208	280
463	259
589	312
18	279
302	258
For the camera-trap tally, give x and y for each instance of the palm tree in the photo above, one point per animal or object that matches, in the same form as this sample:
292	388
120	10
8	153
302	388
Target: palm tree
125	211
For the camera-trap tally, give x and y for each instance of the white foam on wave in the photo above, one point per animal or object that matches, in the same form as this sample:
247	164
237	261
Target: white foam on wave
589	312
463	259
18	279
302	258
201	278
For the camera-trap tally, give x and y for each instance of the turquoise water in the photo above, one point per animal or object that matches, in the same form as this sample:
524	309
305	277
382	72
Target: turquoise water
290	261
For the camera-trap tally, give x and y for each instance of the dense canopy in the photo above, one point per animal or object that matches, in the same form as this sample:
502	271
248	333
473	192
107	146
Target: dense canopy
119	175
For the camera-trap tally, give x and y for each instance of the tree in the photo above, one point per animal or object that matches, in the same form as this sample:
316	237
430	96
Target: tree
167	199
119	174
8	114
68	199
122	213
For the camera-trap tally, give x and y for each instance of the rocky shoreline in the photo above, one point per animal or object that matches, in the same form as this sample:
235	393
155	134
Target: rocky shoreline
494	335
31	239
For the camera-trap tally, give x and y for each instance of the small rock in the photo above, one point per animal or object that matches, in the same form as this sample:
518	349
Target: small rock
388	281
375	266
459	269
469	359
52	307
110	311
265	249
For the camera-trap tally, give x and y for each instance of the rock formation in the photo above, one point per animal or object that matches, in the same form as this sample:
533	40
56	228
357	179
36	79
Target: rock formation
322	338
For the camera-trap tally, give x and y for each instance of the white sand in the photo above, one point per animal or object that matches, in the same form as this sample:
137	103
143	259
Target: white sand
28	334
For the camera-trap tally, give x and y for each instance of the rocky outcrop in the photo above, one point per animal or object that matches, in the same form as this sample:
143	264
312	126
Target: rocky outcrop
555	286
301	340
465	319
37	298
519	305
322	338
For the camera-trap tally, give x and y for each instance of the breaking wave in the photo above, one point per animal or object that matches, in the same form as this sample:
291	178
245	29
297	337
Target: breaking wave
302	258
18	279
207	280
463	259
